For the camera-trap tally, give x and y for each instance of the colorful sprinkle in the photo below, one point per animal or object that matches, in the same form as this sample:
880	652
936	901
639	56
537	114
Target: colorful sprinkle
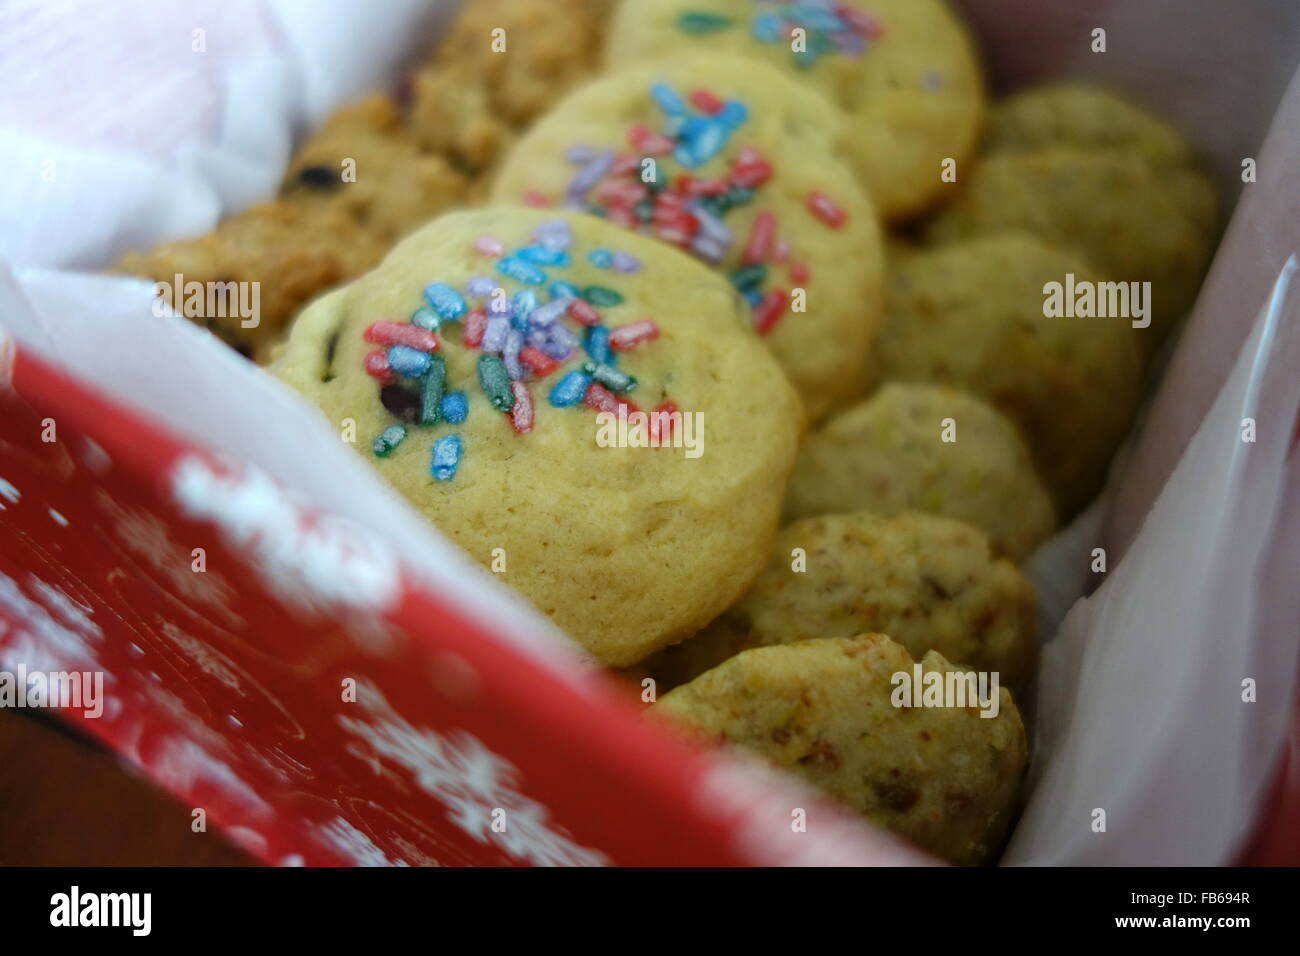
475	324
445	301
488	246
759	244
569	390
432	387
537	361
601	296
388	440
425	318
661	424
401	333
770	310
521	413
702	24
455	407
629	336
446	457
603	400
521	271
376	365
825	209
583	312
408	362
612	378
601	258
543	256
596	344
495	381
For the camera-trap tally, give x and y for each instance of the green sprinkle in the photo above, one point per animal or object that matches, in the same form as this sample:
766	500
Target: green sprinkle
610	377
702	23
644	210
494	378
749	277
736	196
431	390
388	440
600	296
426	319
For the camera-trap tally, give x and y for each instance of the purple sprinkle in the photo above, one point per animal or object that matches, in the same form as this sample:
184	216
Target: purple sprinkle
480	287
707	248
494	336
555	350
510	354
850	44
625	262
580	154
499	303
592	173
548	313
711	226
564	336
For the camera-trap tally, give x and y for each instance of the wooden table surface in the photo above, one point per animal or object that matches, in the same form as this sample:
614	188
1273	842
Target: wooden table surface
66	802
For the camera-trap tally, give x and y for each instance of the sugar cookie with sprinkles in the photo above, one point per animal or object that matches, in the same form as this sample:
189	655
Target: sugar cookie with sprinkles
615	433
904	70
730	161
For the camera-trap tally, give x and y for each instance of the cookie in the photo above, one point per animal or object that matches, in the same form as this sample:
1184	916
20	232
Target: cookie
930	583
1081	117
971	315
944	777
507	409
1133	222
363	162
734	163
480	87
889	454
292	252
904	70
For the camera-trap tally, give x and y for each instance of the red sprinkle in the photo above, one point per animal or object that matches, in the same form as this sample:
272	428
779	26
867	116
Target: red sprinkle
633	334
521	415
661	426
532	197
699	188
649	143
401	333
475	324
781	251
619	192
537	361
800	272
582	311
377	365
760	239
622	216
769	311
603	400
825	209
704	100
625	164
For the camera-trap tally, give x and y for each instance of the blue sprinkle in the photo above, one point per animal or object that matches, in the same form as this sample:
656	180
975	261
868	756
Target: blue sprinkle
753	297
766	28
446	301
569	390
596	344
668	101
455	406
409	362
521	271
446	457
564	290
554	233
601	258
732	114
426	319
525	301
542	255
510	354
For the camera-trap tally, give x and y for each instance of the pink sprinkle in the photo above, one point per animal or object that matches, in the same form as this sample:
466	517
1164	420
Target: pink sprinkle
488	246
376	363
825	209
603	400
535	199
582	311
475	326
661	424
781	251
760	239
537	361
800	272
521	415
633	334
401	333
706	101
